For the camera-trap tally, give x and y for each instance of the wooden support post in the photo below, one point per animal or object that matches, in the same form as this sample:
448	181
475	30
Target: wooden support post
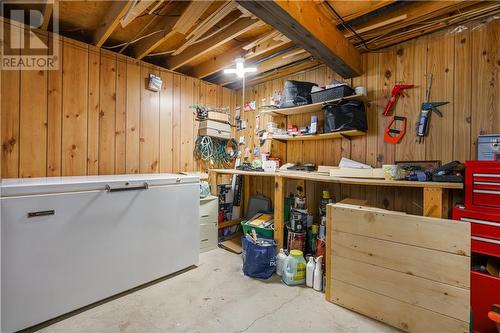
436	203
213	178
279	203
328	271
246	195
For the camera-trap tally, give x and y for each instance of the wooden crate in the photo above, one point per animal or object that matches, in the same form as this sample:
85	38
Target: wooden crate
411	272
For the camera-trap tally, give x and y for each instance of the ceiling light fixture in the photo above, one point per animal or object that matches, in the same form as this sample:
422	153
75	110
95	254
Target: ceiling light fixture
240	71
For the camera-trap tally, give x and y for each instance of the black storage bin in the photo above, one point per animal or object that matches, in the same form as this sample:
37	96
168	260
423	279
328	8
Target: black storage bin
296	93
344	116
331	93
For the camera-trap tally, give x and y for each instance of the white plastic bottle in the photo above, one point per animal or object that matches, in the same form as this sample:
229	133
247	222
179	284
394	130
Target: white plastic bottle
310	272
280	260
318	275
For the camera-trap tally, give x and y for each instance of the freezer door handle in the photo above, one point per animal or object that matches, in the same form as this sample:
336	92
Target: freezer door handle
41	213
145	186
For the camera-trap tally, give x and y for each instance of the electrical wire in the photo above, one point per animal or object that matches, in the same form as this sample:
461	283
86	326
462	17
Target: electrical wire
215	150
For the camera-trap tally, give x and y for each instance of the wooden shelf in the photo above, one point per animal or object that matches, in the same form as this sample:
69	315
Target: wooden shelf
324	136
319	177
316	107
230	223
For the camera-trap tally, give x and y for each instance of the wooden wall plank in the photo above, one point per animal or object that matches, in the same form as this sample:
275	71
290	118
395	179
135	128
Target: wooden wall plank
411	59
440	63
10	122
446	268
393	226
107	115
485	82
75	89
404	316
187	123
434	296
54	118
121	115
149	128
134	85
166	103
176	124
33	117
93	112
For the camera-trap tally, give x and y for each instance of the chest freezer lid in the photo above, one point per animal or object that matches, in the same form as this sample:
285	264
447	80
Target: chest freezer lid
47	185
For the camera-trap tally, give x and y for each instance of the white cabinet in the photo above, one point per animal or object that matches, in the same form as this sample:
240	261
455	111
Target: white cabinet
209	210
68	242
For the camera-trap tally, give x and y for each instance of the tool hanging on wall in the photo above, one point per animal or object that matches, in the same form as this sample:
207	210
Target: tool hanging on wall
394	135
426	110
397	90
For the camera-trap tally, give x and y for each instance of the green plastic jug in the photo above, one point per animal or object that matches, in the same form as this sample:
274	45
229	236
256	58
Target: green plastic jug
294	269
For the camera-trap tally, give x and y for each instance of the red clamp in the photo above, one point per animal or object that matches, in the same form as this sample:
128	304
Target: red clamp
397	90
399	133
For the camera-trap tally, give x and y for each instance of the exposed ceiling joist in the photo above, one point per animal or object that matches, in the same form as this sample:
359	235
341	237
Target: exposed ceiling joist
351	10
47	14
226	59
212	20
171	27
111	20
239	27
309	26
135	11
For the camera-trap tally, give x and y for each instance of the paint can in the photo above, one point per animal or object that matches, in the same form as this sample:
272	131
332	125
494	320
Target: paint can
296	241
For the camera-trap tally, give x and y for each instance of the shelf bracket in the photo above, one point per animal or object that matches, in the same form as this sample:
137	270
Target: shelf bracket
346	136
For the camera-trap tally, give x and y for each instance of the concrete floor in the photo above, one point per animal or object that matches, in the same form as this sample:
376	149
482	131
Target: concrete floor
217	297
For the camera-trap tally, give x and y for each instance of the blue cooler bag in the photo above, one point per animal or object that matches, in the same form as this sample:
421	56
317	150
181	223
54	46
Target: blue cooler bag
259	261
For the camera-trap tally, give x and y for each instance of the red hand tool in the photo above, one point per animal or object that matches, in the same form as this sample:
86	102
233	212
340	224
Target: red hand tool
399	133
397	90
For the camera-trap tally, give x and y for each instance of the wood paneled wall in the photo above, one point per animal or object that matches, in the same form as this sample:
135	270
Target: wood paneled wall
94	115
465	70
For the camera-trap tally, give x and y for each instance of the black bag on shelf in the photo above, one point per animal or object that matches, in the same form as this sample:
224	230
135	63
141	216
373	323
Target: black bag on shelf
296	93
344	116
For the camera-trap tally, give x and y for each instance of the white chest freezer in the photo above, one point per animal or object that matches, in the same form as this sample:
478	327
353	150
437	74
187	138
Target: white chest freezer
68	242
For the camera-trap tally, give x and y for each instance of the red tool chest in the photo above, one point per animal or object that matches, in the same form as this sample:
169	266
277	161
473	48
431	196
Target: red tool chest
482	186
482	211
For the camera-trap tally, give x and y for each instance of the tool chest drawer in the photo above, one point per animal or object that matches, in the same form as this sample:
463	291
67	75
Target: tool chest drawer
482	186
482	224
486	246
485	291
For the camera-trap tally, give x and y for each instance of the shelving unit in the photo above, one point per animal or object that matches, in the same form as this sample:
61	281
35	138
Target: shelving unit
324	136
316	107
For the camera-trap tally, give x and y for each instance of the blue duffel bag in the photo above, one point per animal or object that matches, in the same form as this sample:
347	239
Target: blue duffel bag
259	261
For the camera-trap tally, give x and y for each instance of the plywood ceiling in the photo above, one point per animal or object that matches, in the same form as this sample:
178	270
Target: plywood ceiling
201	38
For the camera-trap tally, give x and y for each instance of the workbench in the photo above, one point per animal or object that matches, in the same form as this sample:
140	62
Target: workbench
435	194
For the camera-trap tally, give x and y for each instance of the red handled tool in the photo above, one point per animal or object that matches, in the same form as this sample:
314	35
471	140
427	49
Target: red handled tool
393	135
397	91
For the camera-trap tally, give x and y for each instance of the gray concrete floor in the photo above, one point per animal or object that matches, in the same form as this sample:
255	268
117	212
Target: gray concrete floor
217	297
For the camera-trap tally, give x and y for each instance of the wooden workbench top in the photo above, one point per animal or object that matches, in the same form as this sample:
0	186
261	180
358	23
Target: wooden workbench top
320	177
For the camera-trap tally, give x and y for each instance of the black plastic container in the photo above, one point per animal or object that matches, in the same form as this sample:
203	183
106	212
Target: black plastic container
344	116
331	93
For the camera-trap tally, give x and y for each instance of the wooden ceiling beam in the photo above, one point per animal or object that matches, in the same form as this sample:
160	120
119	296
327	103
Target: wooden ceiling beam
110	21
194	51
309	25
226	59
171	27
